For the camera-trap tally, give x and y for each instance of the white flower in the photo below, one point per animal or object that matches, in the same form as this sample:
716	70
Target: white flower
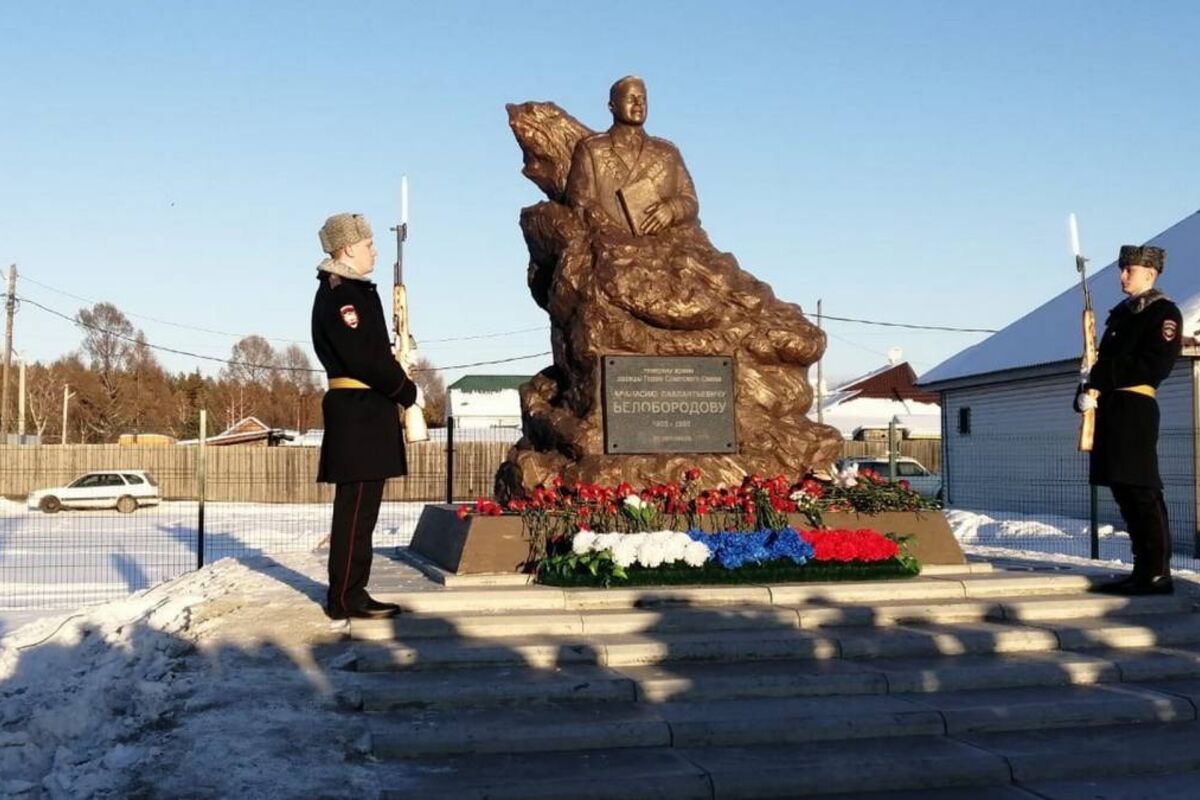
675	547
847	478
605	541
582	543
660	537
634	502
696	553
650	554
636	540
625	554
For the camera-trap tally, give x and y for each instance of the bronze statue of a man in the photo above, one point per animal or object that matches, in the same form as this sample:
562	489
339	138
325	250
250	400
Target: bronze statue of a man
627	178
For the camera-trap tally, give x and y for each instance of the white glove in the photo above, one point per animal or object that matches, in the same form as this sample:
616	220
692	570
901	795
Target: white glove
1085	402
420	401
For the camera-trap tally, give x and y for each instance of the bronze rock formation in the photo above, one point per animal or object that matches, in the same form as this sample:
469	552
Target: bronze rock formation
610	291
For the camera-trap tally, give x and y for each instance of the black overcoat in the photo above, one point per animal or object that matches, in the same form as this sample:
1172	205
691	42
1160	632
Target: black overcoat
1142	338
363	439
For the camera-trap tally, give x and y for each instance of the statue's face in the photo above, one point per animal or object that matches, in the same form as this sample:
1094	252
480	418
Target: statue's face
628	103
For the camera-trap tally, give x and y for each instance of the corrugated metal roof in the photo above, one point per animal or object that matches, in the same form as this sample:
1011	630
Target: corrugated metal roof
489	383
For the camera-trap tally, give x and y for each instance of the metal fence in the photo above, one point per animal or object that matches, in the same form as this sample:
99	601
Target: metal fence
1018	492
1031	492
256	500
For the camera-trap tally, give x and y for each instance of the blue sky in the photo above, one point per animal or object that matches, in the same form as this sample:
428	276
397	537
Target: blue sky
904	161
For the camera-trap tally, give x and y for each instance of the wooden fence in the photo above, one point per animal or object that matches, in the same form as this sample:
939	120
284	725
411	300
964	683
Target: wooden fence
286	474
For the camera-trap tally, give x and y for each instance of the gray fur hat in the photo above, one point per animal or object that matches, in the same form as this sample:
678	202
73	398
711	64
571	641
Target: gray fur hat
1145	256
343	230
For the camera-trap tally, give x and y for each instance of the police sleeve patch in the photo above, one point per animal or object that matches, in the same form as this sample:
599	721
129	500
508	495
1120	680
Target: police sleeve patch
349	316
1169	329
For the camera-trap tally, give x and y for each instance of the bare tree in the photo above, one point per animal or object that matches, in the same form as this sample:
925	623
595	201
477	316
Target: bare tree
253	362
425	375
112	345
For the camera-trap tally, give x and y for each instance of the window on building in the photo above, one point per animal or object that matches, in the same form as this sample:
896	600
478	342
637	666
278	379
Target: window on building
964	420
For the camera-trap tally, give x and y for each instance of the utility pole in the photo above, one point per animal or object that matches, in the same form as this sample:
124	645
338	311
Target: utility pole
67	395
10	308
820	376
21	401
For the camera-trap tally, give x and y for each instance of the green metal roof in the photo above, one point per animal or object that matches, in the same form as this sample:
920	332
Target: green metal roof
489	383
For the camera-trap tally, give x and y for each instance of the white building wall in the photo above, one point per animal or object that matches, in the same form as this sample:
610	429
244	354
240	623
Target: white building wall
486	409
1021	454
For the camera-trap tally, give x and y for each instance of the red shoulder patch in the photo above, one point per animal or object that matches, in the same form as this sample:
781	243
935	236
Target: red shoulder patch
349	316
1170	329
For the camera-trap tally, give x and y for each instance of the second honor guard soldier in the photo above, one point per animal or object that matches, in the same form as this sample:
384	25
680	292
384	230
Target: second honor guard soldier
1142	339
363	445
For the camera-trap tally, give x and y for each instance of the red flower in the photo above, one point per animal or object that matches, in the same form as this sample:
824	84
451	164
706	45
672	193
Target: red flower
692	474
462	512
904	484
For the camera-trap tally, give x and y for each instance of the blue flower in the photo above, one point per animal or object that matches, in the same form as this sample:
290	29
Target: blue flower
733	550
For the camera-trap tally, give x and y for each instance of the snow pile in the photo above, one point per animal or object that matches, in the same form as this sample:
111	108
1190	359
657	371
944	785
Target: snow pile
77	690
211	685
1003	529
994	534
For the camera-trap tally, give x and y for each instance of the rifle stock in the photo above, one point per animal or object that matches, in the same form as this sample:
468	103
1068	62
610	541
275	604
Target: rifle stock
415	429
1087	423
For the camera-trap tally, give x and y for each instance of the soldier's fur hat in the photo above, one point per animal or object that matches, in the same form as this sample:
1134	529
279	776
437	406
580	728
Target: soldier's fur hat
1145	256
343	230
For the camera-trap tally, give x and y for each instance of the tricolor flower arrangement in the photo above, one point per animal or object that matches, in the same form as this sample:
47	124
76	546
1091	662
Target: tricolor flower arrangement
679	532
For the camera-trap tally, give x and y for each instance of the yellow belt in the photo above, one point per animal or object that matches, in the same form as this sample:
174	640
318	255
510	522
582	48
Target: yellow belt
351	383
1142	388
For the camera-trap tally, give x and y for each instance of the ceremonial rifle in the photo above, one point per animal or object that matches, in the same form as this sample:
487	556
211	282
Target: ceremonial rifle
404	344
1087	425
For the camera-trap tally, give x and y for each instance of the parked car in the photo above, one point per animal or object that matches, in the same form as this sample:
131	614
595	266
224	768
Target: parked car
908	469
125	490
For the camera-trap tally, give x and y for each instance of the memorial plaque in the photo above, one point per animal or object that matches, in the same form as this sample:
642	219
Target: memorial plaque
669	404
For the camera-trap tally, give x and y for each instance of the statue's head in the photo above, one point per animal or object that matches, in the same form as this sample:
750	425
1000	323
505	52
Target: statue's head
627	101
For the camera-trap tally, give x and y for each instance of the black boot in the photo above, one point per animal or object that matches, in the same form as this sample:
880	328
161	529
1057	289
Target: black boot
1158	584
376	605
1119	586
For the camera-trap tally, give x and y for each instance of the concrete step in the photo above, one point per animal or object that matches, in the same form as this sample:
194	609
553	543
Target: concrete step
1039	708
1155	749
544	622
926	587
911	762
1181	786
899	641
557	727
630	774
701	681
487	687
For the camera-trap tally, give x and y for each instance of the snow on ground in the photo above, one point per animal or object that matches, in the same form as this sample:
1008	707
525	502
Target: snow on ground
1043	534
216	684
74	557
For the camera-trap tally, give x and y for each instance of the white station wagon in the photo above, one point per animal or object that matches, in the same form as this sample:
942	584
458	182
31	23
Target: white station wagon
123	490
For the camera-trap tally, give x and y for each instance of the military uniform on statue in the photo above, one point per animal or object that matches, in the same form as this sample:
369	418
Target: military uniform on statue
1142	339
363	445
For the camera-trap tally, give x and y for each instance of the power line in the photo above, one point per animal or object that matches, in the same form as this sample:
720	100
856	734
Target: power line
200	329
233	362
156	319
912	327
482	335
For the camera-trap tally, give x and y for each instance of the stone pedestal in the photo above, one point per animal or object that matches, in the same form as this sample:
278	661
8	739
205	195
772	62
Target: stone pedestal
479	545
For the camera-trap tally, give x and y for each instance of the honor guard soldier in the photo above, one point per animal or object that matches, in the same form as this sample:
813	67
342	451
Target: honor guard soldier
363	445
1142	339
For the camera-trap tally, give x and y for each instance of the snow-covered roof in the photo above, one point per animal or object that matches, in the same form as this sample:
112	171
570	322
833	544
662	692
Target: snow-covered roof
1051	333
849	416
